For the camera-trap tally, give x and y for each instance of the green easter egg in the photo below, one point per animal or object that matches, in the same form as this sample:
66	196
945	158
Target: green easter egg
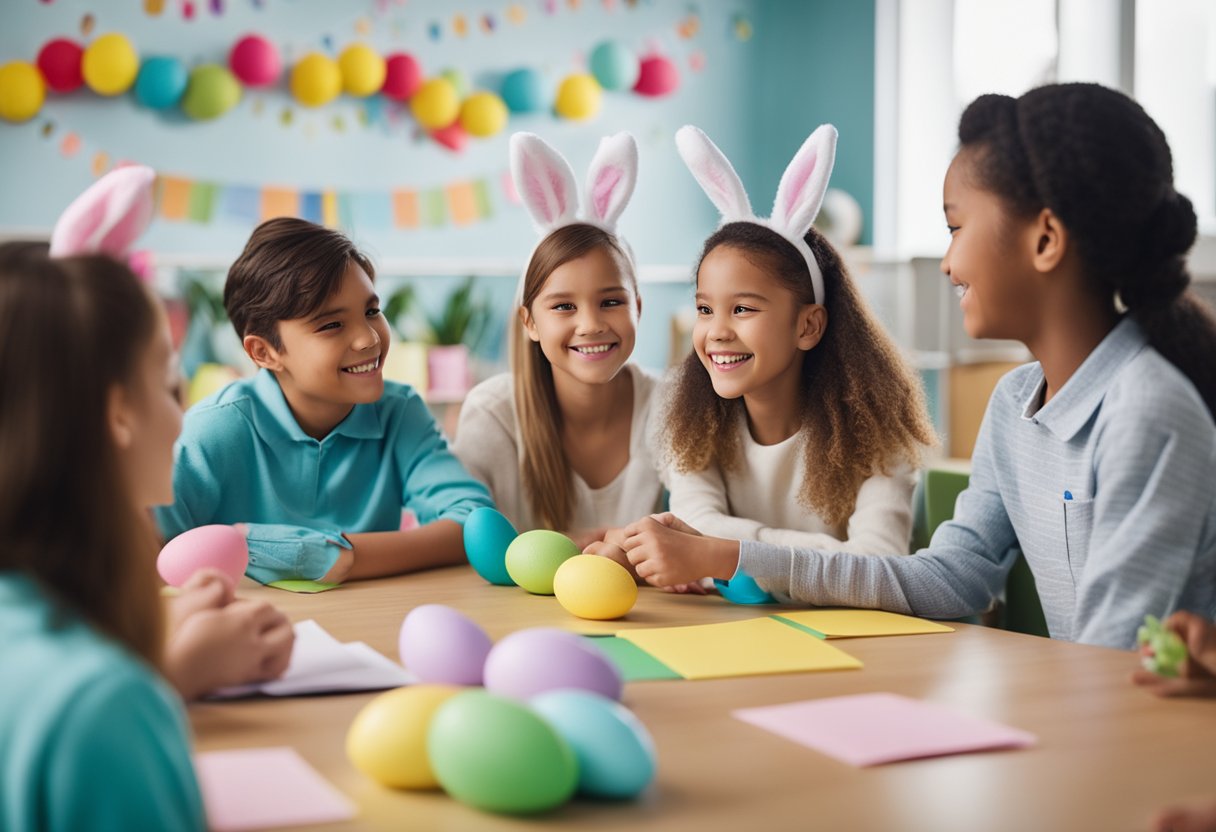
533	558
497	755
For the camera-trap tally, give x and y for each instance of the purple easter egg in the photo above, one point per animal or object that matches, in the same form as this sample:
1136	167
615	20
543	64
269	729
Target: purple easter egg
533	661
443	646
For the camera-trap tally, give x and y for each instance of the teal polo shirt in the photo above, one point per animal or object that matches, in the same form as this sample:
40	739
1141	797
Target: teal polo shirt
243	458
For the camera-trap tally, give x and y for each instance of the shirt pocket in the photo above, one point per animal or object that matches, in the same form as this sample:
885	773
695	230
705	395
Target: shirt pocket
1078	526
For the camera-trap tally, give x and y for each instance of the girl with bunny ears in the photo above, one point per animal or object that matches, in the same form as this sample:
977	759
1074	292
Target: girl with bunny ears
1096	460
561	441
794	420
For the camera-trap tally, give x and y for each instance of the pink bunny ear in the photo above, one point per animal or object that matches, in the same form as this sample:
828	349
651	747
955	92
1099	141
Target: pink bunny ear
610	179
714	173
544	181
108	217
804	182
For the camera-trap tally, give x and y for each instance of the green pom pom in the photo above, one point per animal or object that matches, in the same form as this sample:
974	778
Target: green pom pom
1166	651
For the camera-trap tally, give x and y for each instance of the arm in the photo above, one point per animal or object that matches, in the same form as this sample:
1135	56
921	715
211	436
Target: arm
698	498
376	554
434	483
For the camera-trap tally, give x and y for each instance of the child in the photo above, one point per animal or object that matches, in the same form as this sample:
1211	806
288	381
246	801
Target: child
561	441
315	453
91	737
793	421
1096	460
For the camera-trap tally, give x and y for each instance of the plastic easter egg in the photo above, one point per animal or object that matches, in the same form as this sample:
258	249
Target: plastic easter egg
497	755
59	62
435	104
442	645
487	534
539	659
22	91
161	82
255	61
743	589
615	752
110	65
522	91
453	137
656	76
363	70
316	80
614	65
387	739
483	114
533	559
591	586
211	91
402	76
578	97
220	547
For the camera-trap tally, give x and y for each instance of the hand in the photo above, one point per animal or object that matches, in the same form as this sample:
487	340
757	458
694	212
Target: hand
611	546
1198	673
665	551
695	588
207	589
245	641
1188	819
585	537
341	568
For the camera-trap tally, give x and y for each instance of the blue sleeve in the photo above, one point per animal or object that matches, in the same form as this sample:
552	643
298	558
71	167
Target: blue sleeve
121	761
436	485
280	552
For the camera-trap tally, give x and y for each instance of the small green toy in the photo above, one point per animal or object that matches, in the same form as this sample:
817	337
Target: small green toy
1162	651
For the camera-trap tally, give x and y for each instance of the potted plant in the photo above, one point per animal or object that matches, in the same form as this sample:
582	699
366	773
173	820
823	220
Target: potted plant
453	332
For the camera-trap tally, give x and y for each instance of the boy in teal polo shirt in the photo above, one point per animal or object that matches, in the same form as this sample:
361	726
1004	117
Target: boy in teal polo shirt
316	453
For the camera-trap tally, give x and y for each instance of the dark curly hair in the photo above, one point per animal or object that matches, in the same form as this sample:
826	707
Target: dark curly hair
1102	165
863	408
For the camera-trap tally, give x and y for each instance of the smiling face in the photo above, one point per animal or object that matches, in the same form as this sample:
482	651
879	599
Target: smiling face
332	359
585	317
751	333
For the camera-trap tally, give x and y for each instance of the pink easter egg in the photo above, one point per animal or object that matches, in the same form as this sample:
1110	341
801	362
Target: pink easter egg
533	661
443	646
657	77
220	547
255	61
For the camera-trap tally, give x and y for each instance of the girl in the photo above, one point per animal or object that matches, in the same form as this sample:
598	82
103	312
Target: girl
561	440
1066	234
794	421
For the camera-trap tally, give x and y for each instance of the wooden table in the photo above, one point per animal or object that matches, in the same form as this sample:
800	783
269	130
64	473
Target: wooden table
1108	754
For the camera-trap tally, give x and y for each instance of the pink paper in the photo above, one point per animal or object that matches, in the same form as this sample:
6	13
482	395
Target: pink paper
874	728
261	788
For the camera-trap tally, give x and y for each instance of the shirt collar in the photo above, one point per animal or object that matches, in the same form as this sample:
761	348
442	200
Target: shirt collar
1071	408
274	414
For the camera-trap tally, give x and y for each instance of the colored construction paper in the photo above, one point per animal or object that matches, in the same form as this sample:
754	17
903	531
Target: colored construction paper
635	664
874	728
263	788
858	623
739	648
302	586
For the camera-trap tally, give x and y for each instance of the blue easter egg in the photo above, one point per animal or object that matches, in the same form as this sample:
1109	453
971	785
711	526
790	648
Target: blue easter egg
522	91
161	82
743	589
615	753
487	534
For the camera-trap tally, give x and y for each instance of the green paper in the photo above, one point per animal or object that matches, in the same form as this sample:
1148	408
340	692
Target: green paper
798	626
302	586
635	664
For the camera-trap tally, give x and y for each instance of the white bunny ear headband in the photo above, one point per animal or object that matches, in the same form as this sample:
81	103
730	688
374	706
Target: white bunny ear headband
108	217
799	195
545	184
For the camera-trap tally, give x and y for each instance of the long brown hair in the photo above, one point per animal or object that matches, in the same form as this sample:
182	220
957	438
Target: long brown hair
70	331
544	469
862	407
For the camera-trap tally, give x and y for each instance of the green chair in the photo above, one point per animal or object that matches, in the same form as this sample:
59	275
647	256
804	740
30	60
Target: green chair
938	491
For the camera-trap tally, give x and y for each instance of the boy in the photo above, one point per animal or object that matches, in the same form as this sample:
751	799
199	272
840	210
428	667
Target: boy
315	453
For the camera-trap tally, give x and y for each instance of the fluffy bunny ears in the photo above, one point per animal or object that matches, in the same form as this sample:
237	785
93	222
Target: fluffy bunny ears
545	182
108	217
799	195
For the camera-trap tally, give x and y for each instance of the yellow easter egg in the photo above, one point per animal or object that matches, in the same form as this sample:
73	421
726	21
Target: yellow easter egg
595	587
316	80
363	70
387	739
22	91
110	64
436	104
578	97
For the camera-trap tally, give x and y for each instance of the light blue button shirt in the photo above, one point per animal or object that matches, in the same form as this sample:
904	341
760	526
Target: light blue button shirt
243	458
1107	489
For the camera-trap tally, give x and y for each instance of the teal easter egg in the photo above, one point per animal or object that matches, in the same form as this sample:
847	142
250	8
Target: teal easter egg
614	66
533	557
487	534
498	755
615	752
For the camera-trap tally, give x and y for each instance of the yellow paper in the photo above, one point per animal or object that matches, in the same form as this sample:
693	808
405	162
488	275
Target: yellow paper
739	648
857	623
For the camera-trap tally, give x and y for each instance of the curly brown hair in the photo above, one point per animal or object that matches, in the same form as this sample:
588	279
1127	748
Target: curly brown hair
863	408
